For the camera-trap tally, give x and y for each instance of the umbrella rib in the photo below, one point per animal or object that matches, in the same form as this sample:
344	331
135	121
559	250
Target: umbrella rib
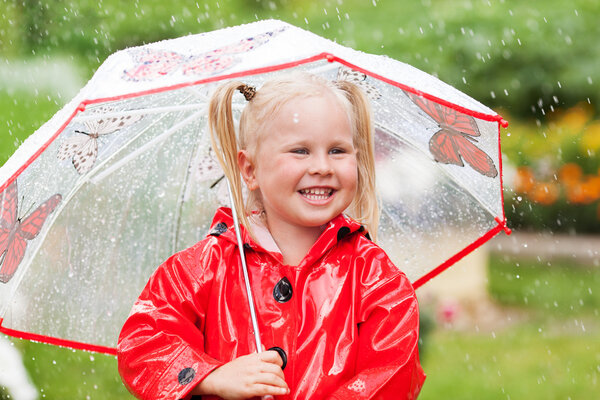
182	195
66	200
144	111
128	143
162	137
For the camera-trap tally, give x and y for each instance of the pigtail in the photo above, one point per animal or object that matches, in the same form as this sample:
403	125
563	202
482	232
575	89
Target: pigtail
365	206
224	141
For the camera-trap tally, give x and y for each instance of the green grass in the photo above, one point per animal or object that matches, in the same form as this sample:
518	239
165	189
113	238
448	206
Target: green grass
552	353
559	286
521	363
61	373
21	113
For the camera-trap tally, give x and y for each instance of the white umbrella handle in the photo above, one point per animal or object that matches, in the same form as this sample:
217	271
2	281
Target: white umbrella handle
236	225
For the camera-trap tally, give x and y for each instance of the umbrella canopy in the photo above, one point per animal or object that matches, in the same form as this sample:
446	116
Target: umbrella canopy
123	176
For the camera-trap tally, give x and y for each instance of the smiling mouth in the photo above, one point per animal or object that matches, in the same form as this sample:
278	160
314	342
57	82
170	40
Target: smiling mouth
317	193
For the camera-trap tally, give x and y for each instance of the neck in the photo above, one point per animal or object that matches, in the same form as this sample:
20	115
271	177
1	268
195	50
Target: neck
294	241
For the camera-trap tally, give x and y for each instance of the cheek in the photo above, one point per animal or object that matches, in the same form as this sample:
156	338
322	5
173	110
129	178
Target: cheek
351	175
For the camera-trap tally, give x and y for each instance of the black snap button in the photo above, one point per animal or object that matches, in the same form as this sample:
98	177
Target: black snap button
219	229
283	290
281	354
343	232
186	375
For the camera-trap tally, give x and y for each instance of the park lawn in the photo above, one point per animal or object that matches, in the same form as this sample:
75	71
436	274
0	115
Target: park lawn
525	362
558	286
552	353
23	112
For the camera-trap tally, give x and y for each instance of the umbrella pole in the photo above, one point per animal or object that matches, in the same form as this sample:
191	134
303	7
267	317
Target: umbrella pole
236	224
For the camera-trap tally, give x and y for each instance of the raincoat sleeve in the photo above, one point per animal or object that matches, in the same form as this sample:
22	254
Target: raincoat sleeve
161	346
387	365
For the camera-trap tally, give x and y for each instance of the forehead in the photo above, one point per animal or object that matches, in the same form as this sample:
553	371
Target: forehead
311	117
304	110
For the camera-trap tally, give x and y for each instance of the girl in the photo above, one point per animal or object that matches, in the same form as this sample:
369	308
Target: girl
341	318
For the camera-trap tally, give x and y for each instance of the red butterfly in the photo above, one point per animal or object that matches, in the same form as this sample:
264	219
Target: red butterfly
454	142
15	232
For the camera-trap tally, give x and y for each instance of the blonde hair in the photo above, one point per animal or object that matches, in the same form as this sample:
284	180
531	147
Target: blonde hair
259	111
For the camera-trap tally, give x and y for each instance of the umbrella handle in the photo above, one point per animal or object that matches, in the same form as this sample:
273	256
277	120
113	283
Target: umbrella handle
236	223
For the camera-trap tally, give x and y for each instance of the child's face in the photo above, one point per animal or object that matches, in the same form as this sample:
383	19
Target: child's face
305	166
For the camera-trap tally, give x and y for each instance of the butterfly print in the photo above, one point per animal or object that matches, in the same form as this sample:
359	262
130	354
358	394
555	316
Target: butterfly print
455	141
16	232
151	64
359	79
83	147
208	169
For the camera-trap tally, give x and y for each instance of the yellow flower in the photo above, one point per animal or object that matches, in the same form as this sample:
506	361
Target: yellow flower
591	137
575	118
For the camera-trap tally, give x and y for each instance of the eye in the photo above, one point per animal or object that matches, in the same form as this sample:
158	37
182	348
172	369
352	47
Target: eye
337	150
301	150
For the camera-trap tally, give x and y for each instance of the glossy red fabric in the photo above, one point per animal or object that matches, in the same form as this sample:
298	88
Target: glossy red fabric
350	327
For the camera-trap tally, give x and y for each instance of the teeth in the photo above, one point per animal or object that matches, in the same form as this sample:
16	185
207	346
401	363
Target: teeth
316	193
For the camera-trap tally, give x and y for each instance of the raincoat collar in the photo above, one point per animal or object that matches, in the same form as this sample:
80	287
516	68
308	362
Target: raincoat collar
337	229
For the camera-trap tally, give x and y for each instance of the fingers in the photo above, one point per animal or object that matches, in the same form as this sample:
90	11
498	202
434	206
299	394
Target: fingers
256	374
271	356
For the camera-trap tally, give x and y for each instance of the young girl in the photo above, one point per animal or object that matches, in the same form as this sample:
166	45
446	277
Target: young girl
341	318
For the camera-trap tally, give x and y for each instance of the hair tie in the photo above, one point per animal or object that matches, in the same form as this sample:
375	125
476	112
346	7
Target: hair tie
248	91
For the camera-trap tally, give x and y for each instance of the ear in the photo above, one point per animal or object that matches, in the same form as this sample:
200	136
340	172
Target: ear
247	170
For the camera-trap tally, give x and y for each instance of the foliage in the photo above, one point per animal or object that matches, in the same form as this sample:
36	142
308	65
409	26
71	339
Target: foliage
555	179
523	56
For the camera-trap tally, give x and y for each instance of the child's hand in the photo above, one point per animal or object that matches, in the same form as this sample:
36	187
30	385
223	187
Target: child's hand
245	377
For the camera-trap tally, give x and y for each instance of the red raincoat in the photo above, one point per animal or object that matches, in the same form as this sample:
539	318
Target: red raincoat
346	317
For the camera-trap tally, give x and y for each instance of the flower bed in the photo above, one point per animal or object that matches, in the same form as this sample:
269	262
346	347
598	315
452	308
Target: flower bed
553	172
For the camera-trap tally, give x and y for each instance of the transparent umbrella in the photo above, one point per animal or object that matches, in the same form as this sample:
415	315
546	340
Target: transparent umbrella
123	176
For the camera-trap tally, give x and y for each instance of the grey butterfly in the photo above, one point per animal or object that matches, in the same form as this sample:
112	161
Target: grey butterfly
83	147
360	79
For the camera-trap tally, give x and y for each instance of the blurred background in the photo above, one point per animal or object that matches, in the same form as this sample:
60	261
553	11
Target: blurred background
517	319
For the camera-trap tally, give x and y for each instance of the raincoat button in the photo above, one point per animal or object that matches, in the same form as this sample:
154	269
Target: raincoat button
282	354
186	375
343	232
219	229
283	290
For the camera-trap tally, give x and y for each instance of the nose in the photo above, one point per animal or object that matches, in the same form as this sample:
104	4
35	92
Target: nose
320	165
